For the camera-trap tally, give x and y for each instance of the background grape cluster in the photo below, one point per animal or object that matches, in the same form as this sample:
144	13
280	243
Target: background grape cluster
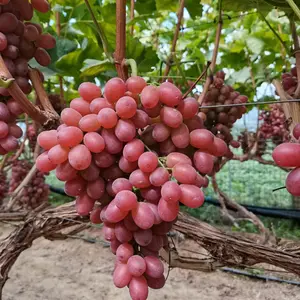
20	41
35	192
102	152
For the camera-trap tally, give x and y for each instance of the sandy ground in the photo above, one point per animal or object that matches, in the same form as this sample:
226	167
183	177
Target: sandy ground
77	270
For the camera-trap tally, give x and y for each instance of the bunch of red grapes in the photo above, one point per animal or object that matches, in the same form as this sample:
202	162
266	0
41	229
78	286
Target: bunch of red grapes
36	192
10	132
274	125
3	187
221	119
32	136
290	81
287	155
20	41
102	152
248	140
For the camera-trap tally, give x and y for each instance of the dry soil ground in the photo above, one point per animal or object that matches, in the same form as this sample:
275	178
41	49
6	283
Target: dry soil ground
77	270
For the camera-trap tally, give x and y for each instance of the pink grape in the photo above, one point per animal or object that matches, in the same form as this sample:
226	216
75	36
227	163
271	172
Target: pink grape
89	91
125	130
169	94
287	155
91	173
108	231
115	88
139	179
95	215
171	117
89	123
157	219
296	131
168	211
114	244
143	216
219	148
133	150
121	184
151	194
122	233
156	283
126	200
148	162
81	106
153	112
140	119
161	132
292	182
143	237
98	104
69	136
138	288
124	252
184	173
127	166
80	157
112	144
154	267
112	173
43	163
204	162
136	265
171	191
135	84
70	117
191	196
180	136
150	96
104	159
9	143
126	107
159	176
129	223
113	214
188	108
94	142
65	171
15	131
177	157
121	276
75	187
84	204
3	129
47	139
107	118
201	139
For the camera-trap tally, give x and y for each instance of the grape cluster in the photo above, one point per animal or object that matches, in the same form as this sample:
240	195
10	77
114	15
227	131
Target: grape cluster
274	125
287	155
248	140
102	152
32	136
221	119
3	187
10	132
290	81
35	192
21	40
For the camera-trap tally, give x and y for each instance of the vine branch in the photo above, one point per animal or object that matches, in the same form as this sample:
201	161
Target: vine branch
214	56
294	7
175	38
132	16
120	53
297	54
43	117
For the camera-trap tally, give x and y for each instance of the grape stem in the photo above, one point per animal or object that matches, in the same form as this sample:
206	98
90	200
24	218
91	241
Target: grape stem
196	82
132	63
60	78
214	57
175	38
42	117
120	53
297	54
132	16
41	93
294	7
100	32
226	201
